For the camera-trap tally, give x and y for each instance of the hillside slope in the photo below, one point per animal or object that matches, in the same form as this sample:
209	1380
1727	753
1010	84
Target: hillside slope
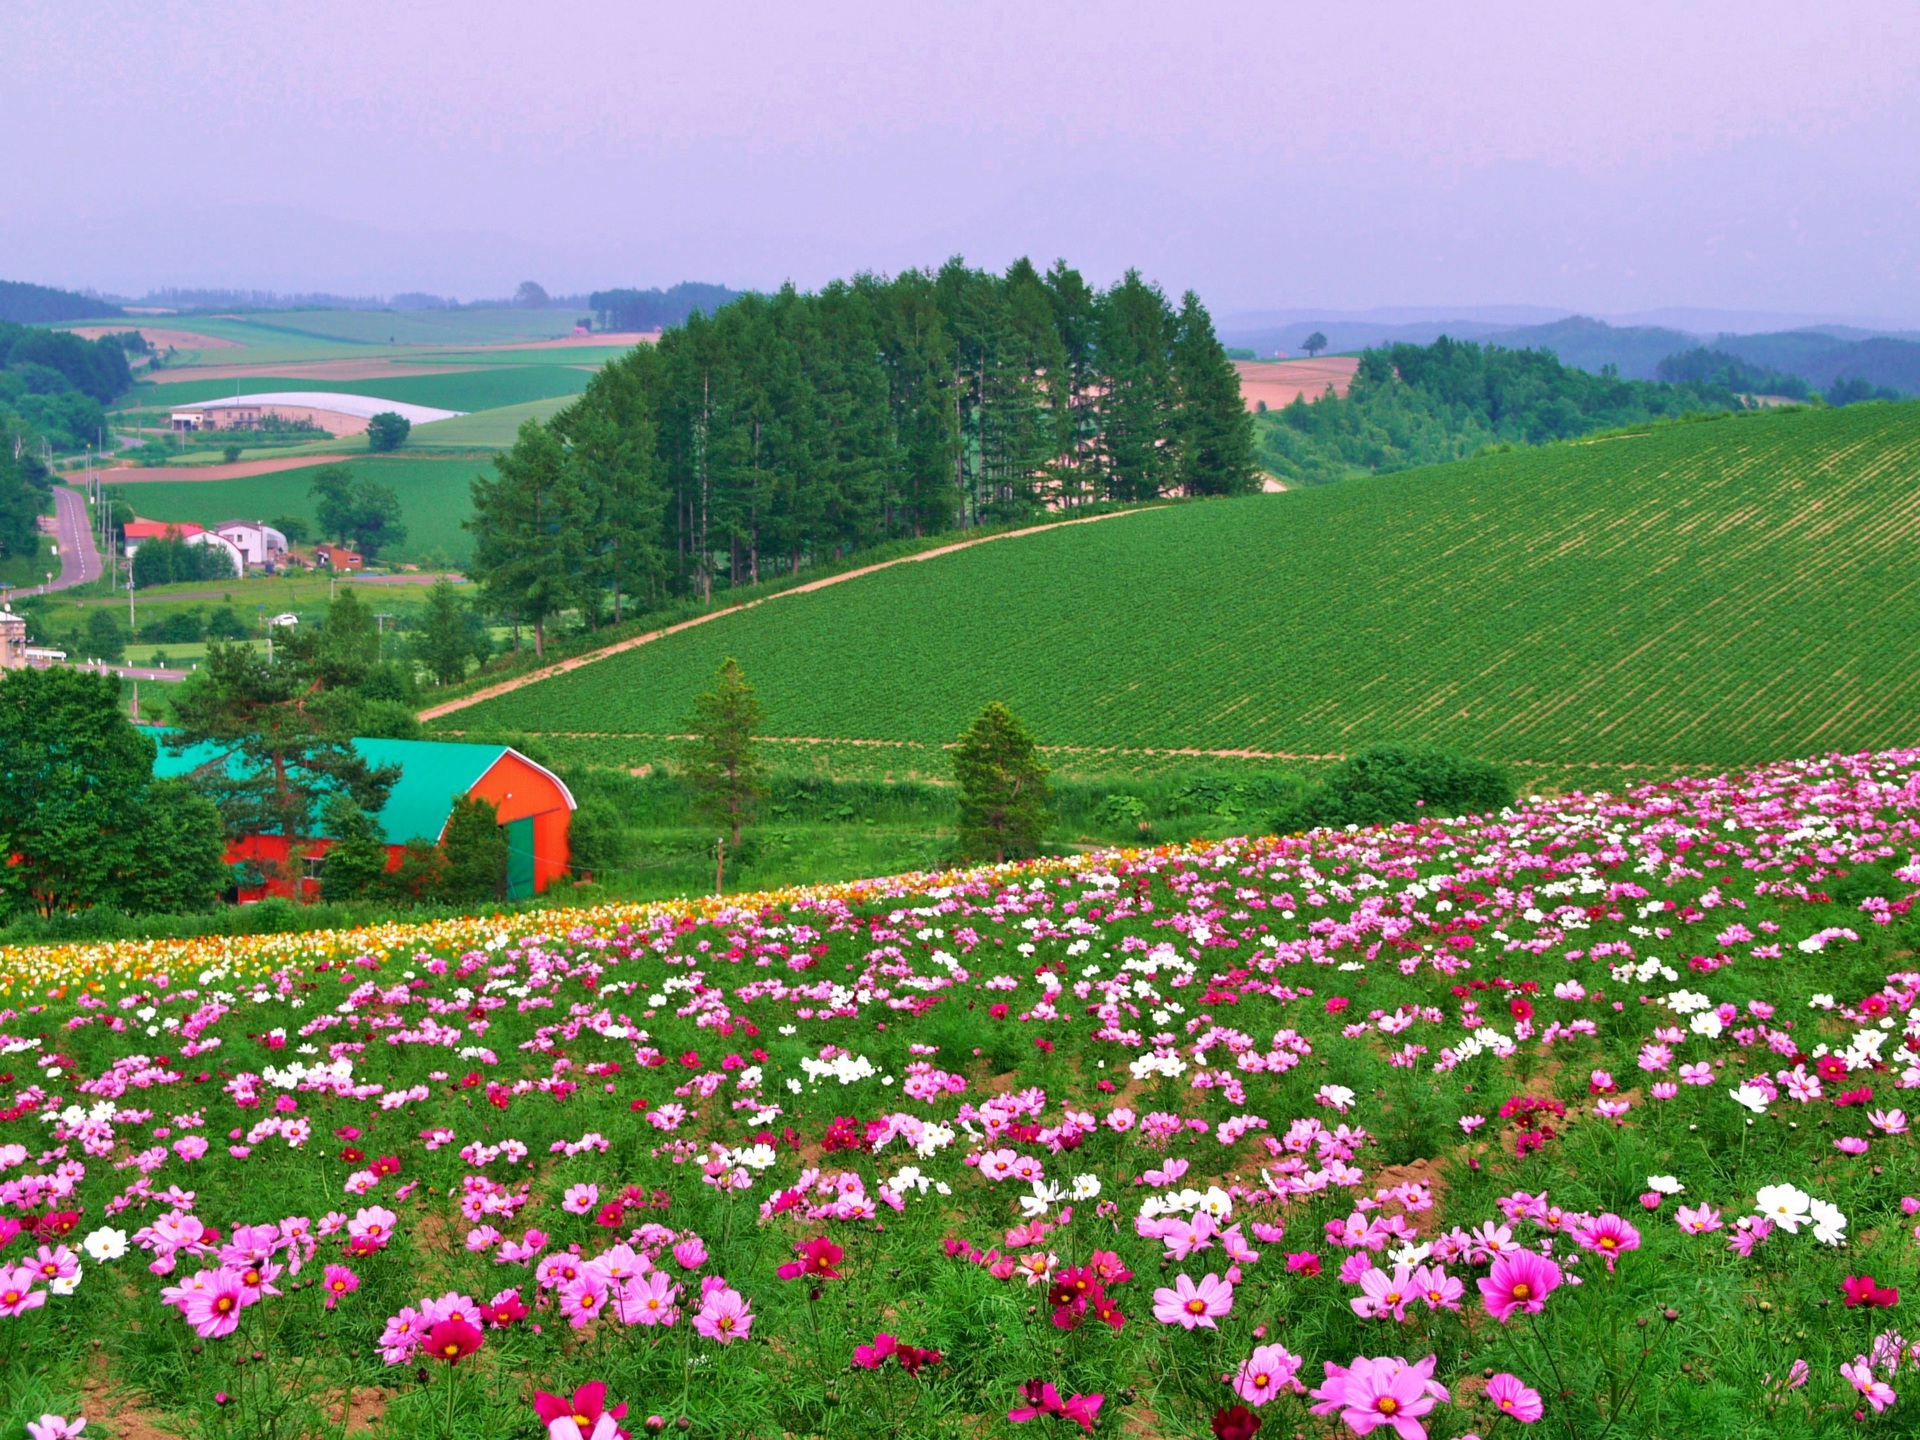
1739	589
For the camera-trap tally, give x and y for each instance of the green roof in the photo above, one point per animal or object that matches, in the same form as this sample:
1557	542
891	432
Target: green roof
432	774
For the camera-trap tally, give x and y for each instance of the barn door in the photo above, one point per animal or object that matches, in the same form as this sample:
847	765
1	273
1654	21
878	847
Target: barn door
519	858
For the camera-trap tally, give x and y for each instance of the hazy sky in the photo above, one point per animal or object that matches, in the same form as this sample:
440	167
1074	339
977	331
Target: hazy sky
1758	155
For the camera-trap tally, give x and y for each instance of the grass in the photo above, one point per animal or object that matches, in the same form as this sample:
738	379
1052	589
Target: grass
495	428
432	490
477	389
1692	594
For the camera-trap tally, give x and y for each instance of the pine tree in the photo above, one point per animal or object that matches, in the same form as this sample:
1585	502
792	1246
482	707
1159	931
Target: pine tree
1211	424
444	642
1004	797
356	862
722	759
1136	411
530	525
476	851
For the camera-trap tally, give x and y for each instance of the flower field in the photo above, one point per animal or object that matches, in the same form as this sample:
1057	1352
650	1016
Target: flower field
1613	600
1586	1120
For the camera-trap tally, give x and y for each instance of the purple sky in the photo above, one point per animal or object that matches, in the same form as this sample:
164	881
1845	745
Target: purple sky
1606	157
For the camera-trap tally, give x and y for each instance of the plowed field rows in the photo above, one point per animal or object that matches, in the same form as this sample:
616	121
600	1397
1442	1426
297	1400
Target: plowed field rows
1708	593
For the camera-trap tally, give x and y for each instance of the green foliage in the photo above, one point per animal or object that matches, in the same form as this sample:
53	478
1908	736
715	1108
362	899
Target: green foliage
224	624
1390	783
721	761
26	304
598	838
444	639
475	847
170	560
1506	607
1413	405
1314	343
362	514
294	527
230	453
25	489
356	862
388	430
421	874
1004	811
102	638
530	525
80	812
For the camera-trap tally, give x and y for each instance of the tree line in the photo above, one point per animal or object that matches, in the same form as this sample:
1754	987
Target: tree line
1413	405
789	428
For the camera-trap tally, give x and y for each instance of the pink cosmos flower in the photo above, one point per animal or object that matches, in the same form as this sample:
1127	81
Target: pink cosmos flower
649	1299
584	1417
1851	1145
402	1336
338	1280
1516	1400
1875	1392
55	1427
1384	1293
1188	1305
1387	1391
1043	1399
1440	1290
1265	1373
1520	1280
582	1299
1698	1220
214	1310
17	1295
581	1199
723	1316
691	1254
1608	1237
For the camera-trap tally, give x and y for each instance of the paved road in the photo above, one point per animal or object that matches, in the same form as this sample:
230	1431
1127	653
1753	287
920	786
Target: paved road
79	555
130	672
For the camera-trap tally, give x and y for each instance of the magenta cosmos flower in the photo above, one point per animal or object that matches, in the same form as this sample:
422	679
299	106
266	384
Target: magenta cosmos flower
584	1417
338	1280
1515	1399
1519	1280
1188	1304
723	1316
1386	1391
1609	1237
1265	1373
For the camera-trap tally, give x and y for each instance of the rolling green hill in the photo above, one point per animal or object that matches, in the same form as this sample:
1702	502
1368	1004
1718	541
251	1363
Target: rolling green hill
433	495
1702	593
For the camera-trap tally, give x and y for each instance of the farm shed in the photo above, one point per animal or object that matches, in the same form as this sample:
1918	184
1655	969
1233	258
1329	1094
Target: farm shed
323	409
536	808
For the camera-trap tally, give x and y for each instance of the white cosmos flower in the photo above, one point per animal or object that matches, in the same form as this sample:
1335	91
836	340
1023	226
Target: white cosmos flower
1751	1096
66	1284
1665	1185
1829	1225
106	1243
1086	1187
1784	1205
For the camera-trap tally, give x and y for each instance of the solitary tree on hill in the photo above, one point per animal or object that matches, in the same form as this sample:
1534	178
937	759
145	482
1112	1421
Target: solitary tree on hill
722	759
388	430
1314	343
1003	788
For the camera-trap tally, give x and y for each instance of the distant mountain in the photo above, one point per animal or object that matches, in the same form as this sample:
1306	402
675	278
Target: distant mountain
1345	336
1591	345
25	304
1821	359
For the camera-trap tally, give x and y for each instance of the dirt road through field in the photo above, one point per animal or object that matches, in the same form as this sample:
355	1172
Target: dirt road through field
507	687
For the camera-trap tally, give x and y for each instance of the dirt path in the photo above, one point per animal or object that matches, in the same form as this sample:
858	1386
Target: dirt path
135	474
507	687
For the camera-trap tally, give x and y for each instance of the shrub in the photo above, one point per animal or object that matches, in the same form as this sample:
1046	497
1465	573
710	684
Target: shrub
1388	783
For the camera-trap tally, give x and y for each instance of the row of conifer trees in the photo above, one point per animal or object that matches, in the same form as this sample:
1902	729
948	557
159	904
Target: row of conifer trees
787	428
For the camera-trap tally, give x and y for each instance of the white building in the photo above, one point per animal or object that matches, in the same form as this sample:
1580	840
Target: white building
259	545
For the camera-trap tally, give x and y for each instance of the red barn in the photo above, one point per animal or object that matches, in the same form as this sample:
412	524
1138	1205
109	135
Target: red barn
536	808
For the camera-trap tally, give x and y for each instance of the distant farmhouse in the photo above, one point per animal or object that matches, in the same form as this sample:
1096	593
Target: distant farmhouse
335	414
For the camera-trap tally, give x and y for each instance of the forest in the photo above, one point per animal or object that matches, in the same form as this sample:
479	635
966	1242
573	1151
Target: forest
1414	405
790	428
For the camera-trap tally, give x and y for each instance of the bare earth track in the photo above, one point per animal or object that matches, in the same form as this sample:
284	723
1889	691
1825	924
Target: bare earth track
507	687
1280	382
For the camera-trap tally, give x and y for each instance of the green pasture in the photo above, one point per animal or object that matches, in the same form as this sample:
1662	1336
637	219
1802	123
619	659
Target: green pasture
485	388
1684	594
487	428
433	500
417	327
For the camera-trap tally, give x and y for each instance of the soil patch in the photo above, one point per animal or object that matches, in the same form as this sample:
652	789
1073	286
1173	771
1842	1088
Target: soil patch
134	474
1280	382
161	338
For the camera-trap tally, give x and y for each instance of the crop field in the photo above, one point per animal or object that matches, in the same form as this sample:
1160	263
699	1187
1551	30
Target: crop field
447	328
480	388
490	428
1587	1118
1699	594
434	500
